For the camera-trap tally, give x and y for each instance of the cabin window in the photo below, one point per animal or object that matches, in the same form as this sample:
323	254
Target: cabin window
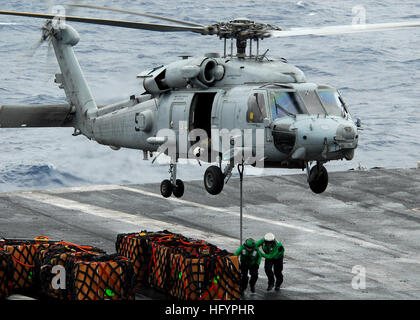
284	104
332	103
256	108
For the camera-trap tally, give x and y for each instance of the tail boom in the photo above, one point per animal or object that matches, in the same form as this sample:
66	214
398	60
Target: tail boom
78	93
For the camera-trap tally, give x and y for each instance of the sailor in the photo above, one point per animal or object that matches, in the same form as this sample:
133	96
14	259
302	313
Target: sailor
250	260
273	252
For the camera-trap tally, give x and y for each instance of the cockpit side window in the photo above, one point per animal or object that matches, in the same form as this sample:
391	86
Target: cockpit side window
256	108
332	103
284	104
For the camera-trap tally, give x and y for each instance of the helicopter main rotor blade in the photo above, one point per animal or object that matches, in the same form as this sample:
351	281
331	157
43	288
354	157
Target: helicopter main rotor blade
136	13
344	29
114	23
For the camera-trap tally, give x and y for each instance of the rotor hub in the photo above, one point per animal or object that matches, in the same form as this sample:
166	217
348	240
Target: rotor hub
243	29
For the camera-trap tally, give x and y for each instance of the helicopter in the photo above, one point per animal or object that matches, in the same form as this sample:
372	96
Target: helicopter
238	108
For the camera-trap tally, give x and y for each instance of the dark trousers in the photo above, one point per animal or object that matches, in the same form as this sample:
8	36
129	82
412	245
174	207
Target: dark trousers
278	270
253	272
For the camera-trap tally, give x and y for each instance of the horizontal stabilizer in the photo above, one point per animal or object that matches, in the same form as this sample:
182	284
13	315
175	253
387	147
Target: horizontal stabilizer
17	116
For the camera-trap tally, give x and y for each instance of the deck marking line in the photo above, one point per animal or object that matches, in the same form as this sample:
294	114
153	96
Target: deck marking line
138	220
325	233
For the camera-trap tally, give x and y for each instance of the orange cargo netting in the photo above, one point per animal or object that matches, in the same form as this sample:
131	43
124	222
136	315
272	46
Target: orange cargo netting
61	254
26	266
23	254
135	246
104	277
185	268
6	274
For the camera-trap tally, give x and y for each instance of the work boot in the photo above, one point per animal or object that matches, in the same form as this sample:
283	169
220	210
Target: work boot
278	284
270	287
252	289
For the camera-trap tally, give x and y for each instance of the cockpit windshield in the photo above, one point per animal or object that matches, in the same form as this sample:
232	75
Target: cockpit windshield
332	103
285	104
319	102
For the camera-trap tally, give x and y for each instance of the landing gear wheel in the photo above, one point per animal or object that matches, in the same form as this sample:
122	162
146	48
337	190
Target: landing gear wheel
178	190
214	180
318	179
166	188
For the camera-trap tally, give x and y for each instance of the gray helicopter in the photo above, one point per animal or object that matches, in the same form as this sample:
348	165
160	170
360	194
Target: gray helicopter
268	113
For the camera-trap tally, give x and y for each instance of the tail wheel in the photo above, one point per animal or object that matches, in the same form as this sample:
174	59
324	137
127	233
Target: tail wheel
166	188
318	179
214	180
178	189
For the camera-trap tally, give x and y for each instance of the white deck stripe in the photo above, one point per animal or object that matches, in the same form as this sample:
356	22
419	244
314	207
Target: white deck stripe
138	220
319	232
325	233
104	187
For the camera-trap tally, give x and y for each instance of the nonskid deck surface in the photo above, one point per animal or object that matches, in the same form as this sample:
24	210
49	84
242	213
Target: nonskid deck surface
365	221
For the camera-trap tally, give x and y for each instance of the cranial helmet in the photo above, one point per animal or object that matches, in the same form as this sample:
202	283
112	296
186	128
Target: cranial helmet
250	243
269	237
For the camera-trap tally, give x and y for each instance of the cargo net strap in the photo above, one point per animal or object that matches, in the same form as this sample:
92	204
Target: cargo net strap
6	274
63	254
186	268
102	277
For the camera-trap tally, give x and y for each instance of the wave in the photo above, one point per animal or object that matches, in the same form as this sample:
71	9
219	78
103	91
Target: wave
42	176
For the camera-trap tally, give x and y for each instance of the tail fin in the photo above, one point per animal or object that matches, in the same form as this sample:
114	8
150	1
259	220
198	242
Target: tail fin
63	38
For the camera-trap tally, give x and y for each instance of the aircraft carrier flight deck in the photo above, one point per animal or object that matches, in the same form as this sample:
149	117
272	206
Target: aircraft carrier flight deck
366	220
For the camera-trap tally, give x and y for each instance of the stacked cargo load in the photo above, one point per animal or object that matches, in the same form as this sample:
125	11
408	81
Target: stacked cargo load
135	246
61	254
187	269
34	267
24	276
103	277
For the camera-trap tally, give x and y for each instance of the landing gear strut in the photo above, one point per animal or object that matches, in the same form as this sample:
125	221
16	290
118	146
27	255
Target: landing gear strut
317	178
173	186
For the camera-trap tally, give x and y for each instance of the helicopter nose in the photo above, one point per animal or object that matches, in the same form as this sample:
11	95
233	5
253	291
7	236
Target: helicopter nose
324	139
